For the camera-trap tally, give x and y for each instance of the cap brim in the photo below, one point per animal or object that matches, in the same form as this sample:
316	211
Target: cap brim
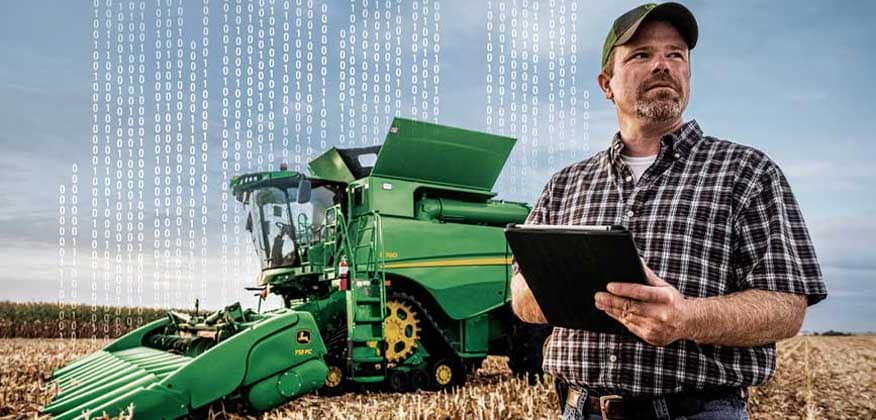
678	15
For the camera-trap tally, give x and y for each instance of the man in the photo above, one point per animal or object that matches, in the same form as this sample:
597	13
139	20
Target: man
730	264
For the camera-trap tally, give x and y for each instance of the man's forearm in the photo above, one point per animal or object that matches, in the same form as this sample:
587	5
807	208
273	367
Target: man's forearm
523	302
749	318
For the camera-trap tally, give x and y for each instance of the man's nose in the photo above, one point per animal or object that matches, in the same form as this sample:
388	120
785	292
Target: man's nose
661	64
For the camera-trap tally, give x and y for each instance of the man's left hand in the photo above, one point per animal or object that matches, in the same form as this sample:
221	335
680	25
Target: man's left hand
657	313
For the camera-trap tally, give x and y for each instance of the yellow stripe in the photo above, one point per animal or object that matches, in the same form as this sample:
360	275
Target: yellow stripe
452	263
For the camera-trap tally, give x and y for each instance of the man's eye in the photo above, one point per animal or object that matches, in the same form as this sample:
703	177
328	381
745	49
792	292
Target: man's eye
640	55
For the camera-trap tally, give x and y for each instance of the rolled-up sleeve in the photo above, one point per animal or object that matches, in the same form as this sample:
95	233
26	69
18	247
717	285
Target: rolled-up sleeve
537	216
773	249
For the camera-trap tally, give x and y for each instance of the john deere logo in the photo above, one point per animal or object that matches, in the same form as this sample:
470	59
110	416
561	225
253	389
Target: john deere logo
303	337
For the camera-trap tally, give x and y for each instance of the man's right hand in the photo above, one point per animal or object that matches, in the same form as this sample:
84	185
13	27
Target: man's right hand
523	302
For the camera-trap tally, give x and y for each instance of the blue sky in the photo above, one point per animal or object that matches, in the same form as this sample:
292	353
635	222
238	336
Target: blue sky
790	78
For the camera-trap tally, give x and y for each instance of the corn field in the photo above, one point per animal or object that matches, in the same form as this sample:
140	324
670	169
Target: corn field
817	377
52	320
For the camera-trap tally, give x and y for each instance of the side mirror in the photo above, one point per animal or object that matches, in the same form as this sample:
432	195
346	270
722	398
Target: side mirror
304	191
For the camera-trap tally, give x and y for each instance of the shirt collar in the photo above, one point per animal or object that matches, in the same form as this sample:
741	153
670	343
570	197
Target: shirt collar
680	141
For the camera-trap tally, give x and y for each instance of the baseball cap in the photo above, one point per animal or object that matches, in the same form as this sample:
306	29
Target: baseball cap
625	26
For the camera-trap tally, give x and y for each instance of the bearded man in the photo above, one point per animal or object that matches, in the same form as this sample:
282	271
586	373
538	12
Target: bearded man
730	264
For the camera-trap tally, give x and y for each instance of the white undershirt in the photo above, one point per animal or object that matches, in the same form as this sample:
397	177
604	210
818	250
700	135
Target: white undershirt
638	165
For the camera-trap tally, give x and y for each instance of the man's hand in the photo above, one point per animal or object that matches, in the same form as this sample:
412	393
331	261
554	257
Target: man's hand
657	313
523	302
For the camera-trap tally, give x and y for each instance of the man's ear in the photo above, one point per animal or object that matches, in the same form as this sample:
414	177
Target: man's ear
605	84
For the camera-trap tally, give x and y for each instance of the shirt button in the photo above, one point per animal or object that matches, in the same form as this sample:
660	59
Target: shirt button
612	358
677	155
629	178
630	213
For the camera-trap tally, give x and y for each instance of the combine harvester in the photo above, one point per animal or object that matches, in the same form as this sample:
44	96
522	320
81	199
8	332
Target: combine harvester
393	274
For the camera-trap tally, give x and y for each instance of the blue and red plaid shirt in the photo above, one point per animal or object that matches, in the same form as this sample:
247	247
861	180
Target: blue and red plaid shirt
709	216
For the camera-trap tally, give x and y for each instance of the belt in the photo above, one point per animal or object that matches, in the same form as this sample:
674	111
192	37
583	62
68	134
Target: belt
610	406
624	407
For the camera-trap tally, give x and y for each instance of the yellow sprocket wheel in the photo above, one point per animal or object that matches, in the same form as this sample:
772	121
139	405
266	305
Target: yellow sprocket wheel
443	374
401	330
334	378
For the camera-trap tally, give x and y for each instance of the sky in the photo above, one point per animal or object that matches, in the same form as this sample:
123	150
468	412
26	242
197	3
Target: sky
790	78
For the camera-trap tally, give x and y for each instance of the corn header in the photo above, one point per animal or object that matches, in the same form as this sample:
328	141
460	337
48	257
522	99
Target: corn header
394	273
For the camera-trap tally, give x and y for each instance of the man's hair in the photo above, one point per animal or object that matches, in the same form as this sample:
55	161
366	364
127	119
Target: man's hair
609	64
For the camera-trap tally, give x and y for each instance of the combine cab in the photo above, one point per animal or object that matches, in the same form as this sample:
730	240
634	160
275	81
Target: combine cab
393	267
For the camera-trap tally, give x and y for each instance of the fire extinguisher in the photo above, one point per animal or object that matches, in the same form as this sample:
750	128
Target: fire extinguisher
343	274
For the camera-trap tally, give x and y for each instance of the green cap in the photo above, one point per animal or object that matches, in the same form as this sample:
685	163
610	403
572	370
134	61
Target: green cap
626	25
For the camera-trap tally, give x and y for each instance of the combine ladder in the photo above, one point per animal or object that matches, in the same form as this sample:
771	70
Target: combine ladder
366	300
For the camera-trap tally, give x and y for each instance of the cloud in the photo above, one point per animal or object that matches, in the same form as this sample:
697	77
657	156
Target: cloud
45	113
113	280
849	303
831	171
845	244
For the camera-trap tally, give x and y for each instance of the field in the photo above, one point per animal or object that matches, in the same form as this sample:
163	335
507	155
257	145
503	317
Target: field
52	320
817	377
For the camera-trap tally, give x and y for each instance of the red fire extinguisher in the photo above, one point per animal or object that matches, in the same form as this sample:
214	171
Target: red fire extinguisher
344	274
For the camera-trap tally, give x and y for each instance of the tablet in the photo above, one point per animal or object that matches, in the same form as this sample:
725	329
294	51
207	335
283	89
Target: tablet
565	265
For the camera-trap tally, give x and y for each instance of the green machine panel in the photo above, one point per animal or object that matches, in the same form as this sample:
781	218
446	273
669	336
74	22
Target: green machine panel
419	151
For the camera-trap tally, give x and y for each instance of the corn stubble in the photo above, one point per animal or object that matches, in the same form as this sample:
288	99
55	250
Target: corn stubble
817	377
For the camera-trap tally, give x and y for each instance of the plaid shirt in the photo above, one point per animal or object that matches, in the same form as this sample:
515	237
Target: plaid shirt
710	217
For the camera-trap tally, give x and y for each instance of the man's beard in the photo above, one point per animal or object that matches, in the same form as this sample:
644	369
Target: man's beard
664	106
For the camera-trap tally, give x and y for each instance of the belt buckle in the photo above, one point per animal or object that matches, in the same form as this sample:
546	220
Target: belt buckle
573	395
605	405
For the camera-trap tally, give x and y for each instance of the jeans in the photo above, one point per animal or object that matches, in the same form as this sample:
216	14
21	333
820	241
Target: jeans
731	407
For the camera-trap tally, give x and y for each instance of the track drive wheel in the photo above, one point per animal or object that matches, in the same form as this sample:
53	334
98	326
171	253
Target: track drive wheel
401	330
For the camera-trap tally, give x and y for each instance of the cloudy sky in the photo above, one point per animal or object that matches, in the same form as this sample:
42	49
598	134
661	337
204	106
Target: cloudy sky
790	78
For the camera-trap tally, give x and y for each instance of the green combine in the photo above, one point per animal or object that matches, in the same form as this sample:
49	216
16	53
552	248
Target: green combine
394	270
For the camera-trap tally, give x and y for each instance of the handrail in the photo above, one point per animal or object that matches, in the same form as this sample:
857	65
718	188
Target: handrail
338	230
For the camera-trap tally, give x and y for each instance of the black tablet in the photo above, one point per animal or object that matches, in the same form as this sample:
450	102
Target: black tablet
565	265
